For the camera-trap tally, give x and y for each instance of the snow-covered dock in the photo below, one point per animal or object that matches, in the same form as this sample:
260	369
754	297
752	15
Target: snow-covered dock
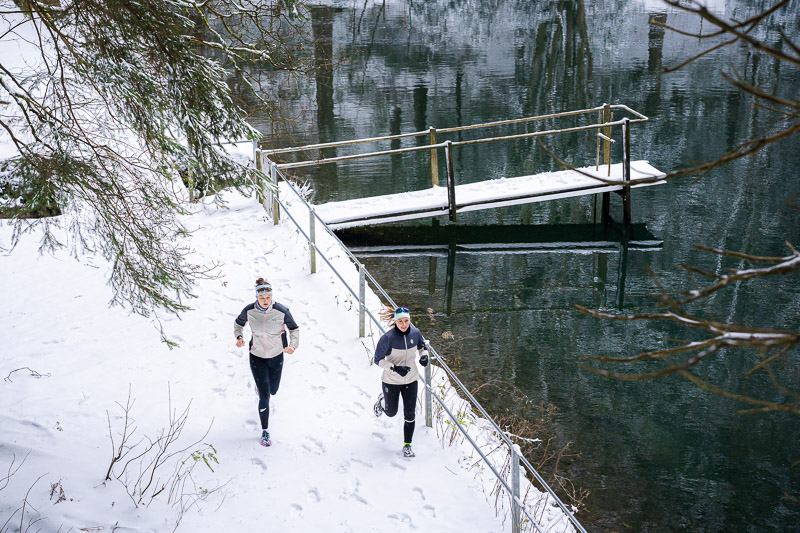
486	195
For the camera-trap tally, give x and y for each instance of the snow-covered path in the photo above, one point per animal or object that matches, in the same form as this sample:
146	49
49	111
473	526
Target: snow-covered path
333	466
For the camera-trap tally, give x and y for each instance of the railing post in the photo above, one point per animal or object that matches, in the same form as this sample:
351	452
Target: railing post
361	305
607	117
515	508
451	181
276	214
434	159
626	175
597	156
312	252
428	399
606	210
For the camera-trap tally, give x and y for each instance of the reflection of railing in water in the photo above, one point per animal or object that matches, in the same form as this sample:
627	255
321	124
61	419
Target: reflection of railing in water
596	240
604	127
512	487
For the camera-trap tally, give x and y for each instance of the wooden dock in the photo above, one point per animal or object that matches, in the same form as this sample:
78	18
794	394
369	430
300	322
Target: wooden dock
489	194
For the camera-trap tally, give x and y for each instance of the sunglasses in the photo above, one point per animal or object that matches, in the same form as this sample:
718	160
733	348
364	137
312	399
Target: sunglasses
401	310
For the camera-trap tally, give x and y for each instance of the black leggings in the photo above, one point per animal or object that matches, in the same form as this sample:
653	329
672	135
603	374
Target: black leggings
267	375
391	398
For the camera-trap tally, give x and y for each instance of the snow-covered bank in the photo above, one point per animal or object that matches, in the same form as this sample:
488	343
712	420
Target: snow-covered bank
333	466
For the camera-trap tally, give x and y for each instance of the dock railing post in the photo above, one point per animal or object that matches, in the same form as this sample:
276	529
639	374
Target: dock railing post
451	180
361	305
515	508
597	156
312	252
434	159
626	175
606	216
428	400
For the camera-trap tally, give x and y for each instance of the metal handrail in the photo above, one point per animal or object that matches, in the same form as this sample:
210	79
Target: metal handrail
441	362
313	162
360	156
641	118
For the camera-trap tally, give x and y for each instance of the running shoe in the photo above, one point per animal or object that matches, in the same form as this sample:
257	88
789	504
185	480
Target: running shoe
378	408
265	438
407	451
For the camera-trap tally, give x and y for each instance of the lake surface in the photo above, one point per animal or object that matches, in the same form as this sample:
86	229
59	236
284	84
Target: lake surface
656	455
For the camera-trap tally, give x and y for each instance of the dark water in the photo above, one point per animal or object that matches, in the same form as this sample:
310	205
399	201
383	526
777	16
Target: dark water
656	455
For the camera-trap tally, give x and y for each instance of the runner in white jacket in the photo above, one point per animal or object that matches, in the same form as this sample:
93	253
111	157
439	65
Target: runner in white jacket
274	332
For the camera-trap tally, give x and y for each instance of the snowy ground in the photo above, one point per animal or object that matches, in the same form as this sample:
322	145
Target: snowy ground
333	466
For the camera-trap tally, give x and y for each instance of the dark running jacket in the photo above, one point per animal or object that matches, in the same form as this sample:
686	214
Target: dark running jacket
401	349
269	329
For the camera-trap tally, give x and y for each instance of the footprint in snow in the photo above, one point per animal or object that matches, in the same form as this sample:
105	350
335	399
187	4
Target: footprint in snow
351	413
296	511
417	495
219	392
314	446
313	495
398	466
251	425
323	366
352	494
380	437
359	461
362	392
403	518
259	462
319	389
213	363
429	510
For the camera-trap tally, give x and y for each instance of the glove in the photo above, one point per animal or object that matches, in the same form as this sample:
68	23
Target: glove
423	360
402	370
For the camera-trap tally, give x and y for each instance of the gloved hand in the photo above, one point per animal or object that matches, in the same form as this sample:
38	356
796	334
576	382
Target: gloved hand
423	360
402	370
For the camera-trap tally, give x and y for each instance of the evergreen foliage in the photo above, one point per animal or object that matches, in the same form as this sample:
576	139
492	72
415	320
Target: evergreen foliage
110	104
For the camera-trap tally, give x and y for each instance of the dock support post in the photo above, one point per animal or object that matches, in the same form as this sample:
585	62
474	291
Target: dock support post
434	159
276	215
428	401
515	507
451	181
626	176
361	305
607	117
312	252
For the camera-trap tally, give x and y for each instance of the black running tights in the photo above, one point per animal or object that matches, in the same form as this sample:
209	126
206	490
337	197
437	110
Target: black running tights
391	398
267	375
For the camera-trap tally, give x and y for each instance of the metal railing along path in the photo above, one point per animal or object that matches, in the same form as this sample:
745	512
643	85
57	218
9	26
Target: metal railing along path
513	487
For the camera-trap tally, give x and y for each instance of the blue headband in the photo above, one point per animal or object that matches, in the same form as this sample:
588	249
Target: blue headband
402	312
265	288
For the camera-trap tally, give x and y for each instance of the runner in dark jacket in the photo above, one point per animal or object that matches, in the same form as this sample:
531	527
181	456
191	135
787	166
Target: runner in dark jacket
274	332
396	353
